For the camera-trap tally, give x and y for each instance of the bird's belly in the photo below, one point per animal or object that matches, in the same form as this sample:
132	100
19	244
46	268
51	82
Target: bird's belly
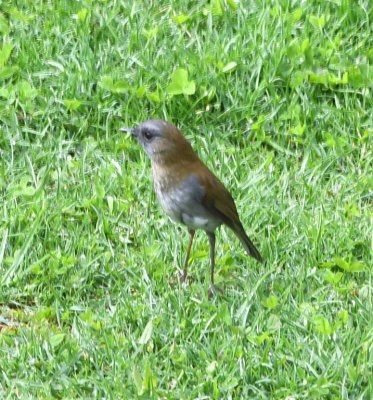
183	207
200	222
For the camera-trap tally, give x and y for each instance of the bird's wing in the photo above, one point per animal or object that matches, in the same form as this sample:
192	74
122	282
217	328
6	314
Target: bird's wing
217	199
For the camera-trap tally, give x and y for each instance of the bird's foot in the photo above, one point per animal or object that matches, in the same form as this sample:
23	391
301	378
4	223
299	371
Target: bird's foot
213	290
181	278
185	277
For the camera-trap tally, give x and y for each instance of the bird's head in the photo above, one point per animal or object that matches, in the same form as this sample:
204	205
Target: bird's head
162	141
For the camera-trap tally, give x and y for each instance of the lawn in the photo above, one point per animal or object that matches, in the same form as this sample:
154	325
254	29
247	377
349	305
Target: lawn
276	98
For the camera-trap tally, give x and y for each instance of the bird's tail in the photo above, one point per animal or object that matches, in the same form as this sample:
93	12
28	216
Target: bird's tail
247	243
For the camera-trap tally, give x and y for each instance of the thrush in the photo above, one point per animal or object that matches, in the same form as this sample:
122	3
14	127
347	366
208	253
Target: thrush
187	190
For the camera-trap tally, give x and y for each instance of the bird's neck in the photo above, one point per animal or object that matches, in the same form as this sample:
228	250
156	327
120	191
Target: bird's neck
168	175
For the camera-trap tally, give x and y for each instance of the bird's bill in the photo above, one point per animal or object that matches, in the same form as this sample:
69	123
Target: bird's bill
128	130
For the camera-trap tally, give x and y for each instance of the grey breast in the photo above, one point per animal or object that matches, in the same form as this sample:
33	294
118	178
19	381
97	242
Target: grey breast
184	204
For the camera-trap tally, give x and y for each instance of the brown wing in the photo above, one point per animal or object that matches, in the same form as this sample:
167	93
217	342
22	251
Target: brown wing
217	199
219	202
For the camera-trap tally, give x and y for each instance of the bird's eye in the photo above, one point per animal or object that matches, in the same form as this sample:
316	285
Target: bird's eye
147	135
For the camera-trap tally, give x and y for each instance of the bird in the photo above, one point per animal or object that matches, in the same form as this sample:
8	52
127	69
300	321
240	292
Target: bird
188	191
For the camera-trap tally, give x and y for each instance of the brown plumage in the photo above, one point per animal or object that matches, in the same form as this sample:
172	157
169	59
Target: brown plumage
187	190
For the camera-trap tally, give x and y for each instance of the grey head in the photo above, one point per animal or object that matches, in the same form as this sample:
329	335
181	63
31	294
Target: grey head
161	140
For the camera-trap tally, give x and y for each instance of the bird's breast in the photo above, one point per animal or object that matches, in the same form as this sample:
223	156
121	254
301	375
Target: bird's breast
169	201
183	202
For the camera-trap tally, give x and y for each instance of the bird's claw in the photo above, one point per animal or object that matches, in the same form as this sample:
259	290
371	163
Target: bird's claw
213	290
185	277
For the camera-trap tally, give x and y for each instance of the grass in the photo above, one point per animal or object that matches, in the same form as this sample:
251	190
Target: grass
282	112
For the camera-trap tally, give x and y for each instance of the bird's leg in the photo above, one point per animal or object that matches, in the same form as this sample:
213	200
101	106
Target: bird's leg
184	274
213	288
